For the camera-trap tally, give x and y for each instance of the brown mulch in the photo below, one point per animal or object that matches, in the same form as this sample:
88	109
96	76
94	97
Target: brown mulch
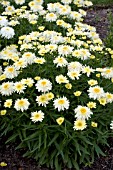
15	161
97	17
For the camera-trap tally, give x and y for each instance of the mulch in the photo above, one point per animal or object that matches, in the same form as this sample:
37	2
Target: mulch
98	17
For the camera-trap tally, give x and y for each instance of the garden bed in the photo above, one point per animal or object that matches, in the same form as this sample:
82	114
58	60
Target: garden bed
97	17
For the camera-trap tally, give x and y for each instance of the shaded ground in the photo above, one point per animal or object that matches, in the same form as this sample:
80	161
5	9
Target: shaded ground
97	17
15	161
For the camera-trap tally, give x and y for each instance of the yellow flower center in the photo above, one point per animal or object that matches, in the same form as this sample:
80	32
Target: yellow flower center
28	55
43	98
10	69
109	96
21	103
64	9
43	83
19	86
74	74
108	71
6	86
79	124
61	101
96	90
9	8
51	15
65	48
83	111
37	116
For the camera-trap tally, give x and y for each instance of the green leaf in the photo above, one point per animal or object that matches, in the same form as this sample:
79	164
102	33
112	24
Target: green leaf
54	138
84	139
57	165
76	166
69	163
32	136
40	141
45	139
10	139
98	150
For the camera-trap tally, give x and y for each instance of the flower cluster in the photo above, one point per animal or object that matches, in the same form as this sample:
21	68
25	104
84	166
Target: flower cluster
54	67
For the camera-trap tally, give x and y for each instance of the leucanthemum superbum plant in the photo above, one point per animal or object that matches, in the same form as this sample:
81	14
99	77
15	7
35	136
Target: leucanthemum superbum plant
56	82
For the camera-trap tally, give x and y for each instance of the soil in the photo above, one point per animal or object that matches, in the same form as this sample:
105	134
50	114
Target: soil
15	161
98	17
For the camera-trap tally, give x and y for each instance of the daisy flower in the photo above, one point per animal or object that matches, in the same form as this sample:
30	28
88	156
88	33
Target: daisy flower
9	9
92	82
64	10
68	86
19	87
43	85
51	47
61	79
61	103
60	61
37	116
60	120
72	66
91	105
107	73
11	72
74	74
5	3
21	104
19	2
65	50
109	97
79	125
3	21
94	124
29	82
88	70
7	88
66	1
39	2
20	64
51	17
96	92
51	7
8	103
49	96
28	57
77	93
102	101
39	60
3	112
42	100
7	32
83	112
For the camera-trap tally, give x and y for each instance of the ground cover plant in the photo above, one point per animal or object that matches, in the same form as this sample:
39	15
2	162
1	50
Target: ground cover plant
56	82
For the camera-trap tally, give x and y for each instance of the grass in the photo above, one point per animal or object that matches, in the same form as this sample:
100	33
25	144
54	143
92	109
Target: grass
102	2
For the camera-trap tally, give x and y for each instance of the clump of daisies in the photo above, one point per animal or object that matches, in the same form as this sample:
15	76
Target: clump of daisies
56	89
